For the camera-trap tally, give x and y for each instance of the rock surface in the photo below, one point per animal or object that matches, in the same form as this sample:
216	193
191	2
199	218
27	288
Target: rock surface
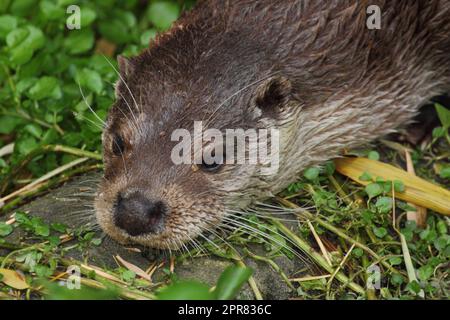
71	204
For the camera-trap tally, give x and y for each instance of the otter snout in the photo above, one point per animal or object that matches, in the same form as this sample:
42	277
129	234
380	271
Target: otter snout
137	215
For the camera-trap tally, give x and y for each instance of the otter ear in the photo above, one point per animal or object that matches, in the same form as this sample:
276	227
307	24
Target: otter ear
126	66
272	95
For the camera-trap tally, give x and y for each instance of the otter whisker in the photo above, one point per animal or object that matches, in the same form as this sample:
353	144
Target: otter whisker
263	234
83	194
81	212
272	212
133	121
128	88
212	231
182	246
90	180
168	245
196	244
209	241
265	215
236	225
98	126
89	106
280	208
275	218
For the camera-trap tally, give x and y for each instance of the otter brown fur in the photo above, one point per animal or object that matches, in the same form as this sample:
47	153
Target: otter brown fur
311	69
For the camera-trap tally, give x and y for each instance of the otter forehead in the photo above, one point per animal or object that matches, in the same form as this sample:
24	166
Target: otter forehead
163	108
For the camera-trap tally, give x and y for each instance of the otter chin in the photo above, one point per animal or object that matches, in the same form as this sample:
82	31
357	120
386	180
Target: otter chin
311	70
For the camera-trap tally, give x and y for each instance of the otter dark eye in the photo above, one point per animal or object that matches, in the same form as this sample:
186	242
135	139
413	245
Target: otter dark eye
213	167
118	145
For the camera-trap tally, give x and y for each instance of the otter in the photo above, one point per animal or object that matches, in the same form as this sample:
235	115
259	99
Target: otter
313	70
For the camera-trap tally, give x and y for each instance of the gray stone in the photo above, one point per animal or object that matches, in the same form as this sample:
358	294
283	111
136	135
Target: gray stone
71	204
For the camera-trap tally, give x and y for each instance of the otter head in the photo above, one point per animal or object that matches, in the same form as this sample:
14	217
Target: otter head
149	198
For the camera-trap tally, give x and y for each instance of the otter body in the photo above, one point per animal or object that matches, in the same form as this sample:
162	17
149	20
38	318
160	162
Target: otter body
310	69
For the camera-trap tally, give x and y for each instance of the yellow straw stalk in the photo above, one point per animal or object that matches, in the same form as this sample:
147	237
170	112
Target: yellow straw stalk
417	191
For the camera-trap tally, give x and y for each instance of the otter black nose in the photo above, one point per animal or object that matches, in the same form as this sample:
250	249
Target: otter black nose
137	215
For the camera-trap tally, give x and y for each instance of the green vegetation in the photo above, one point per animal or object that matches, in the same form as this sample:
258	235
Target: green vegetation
45	69
46	127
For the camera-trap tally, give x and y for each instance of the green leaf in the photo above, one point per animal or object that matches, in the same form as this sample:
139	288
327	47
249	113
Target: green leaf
147	36
441	243
414	287
230	282
399	186
5	229
387	186
54	240
51	11
312	173
373	190
34	129
90	79
445	173
397	279
24	84
429	235
62	228
128	275
23	43
358	252
22	7
163	13
45	87
373	155
49	137
444	115
438	132
7	24
41	229
384	204
25	145
395	261
43	271
115	31
57	292
8	124
380	232
16	36
127	18
88	16
441	227
366	177
96	241
186	290
425	272
330	168
79	41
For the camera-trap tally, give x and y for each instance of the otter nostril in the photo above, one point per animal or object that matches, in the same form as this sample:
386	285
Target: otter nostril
137	215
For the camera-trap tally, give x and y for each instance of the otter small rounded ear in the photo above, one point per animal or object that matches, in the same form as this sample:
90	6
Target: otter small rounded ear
125	66
273	94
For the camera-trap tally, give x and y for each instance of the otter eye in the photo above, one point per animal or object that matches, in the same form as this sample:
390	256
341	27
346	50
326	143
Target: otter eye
212	167
118	145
